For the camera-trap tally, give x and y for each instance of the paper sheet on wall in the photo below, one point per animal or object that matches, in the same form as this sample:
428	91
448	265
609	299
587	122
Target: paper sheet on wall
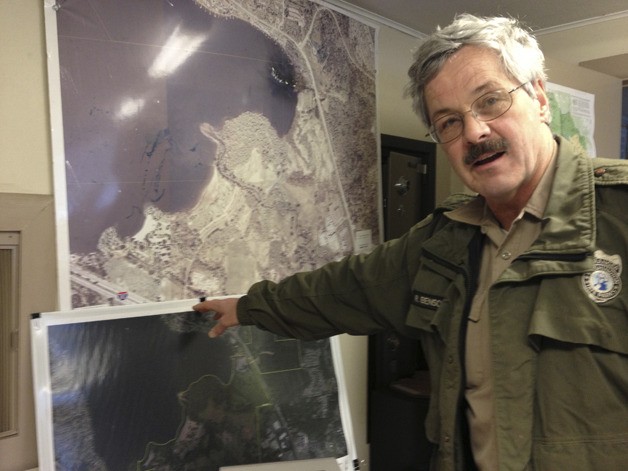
210	144
573	116
142	387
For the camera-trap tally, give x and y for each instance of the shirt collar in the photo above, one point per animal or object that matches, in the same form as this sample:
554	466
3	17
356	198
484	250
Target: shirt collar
477	213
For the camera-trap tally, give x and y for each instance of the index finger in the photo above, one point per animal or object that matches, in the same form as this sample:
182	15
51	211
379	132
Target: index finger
204	306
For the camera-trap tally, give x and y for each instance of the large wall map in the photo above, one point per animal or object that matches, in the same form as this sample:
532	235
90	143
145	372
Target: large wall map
207	145
211	144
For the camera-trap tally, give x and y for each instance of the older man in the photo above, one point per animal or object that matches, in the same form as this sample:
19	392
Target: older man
516	293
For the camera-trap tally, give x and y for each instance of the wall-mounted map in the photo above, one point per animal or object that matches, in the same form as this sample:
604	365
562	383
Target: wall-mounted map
141	387
573	116
205	145
210	144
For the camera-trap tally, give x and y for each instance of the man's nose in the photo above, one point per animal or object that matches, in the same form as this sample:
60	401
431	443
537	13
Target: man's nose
475	130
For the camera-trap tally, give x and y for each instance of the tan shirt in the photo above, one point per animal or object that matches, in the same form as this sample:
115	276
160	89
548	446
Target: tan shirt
501	247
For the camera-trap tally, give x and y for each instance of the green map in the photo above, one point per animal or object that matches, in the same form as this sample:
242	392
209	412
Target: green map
573	116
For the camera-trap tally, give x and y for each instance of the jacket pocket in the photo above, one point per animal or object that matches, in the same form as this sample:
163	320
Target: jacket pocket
595	455
435	292
565	313
581	406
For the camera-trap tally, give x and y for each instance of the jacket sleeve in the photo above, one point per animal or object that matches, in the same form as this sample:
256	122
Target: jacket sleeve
360	294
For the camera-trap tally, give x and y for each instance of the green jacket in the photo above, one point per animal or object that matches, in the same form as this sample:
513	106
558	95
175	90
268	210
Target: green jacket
558	317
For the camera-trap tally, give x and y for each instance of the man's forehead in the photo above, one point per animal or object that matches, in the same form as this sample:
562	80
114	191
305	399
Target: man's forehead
453	100
469	73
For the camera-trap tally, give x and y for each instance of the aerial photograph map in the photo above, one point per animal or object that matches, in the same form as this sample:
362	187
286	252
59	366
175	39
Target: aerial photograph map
152	393
253	157
207	145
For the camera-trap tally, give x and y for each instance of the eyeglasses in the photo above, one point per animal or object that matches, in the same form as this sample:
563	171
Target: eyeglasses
487	107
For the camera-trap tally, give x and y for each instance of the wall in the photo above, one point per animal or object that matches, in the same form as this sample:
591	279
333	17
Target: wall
567	44
26	203
33	217
25	165
25	160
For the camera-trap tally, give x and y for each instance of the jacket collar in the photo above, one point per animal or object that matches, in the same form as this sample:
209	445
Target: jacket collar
569	219
568	222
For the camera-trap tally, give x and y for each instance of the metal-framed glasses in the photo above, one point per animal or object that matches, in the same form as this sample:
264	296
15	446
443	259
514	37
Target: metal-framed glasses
485	108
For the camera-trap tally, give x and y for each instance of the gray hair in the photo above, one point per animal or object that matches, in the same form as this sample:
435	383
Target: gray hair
519	51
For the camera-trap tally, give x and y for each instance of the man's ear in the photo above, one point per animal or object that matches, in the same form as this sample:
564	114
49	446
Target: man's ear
543	99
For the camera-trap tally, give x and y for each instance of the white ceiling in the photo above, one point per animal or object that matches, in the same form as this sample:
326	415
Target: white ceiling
593	34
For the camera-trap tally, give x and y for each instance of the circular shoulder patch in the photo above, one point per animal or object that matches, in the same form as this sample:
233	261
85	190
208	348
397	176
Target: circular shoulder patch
604	282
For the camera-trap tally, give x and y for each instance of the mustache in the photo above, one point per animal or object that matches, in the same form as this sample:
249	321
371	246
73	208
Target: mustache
484	147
